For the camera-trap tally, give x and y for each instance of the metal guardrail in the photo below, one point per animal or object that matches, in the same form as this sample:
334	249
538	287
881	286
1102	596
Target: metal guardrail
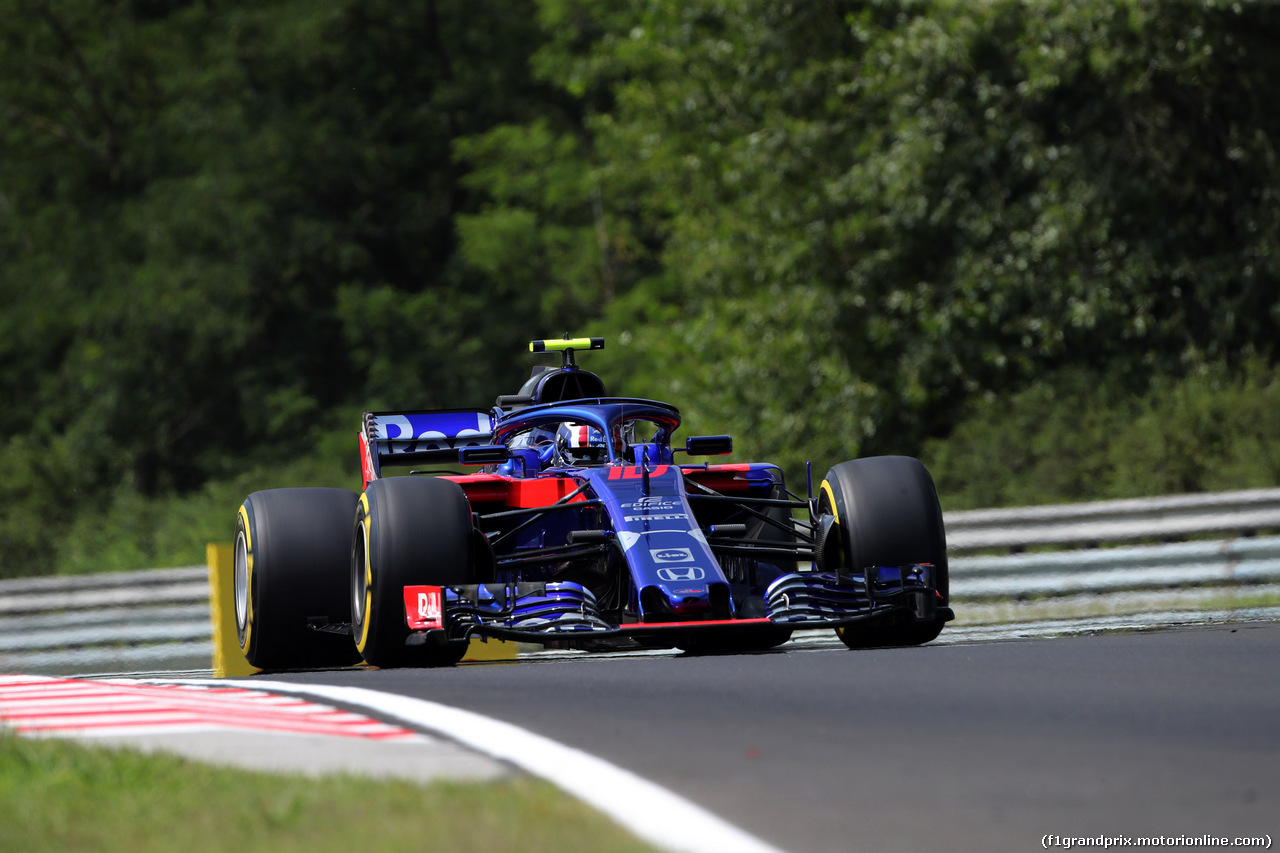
1104	570
1173	517
153	619
158	619
1240	559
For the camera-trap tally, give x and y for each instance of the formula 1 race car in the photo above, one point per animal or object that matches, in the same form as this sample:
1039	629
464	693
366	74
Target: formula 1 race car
581	527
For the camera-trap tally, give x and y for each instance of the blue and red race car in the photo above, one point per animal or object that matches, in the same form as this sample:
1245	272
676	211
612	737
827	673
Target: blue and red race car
582	525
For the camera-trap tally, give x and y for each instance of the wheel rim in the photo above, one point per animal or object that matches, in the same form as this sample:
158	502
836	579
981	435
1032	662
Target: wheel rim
835	555
242	585
358	556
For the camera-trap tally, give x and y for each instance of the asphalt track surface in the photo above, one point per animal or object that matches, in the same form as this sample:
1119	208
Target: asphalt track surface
962	746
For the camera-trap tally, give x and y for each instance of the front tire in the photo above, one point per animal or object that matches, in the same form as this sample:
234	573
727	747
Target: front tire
291	553
408	530
886	513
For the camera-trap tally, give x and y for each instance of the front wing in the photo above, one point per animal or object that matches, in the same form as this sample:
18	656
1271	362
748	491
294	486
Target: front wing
566	613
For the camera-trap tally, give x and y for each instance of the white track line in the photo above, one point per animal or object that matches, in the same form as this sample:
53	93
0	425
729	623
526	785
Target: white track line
650	811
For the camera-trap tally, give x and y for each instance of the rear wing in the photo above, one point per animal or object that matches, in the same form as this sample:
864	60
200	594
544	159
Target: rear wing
412	438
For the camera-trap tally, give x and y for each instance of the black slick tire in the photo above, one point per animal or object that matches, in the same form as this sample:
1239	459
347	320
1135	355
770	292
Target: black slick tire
292	548
886	513
408	531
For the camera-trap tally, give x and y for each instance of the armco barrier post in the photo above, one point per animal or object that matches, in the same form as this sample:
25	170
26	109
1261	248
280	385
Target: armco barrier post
227	659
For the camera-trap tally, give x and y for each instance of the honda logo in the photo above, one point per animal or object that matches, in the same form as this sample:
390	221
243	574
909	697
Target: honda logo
682	575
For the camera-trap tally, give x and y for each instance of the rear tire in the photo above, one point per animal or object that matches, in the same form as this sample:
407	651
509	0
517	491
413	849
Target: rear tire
408	530
291	553
887	514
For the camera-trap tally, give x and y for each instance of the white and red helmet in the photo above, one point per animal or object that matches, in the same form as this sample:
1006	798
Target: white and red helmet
581	444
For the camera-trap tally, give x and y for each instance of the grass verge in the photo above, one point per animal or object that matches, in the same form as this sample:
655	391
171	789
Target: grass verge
61	796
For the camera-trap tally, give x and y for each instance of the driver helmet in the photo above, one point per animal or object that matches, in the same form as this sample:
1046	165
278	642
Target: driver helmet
580	444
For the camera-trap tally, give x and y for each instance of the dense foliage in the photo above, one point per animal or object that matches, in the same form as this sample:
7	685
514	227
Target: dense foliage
1034	243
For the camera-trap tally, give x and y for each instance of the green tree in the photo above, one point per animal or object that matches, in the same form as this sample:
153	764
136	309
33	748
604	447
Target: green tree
221	222
834	228
953	200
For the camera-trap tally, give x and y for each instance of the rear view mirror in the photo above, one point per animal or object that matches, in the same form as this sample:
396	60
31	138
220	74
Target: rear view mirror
709	445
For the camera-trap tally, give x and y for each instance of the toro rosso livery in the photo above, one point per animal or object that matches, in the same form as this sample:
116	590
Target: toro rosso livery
566	517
